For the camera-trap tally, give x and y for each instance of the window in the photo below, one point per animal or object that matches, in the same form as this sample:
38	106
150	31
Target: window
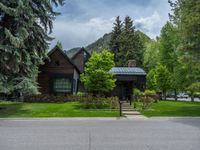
55	62
62	85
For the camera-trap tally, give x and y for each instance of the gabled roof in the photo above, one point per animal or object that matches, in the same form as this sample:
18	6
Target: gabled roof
127	71
75	51
70	53
65	56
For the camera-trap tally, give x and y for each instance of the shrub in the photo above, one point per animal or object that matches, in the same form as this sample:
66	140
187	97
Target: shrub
147	97
91	102
80	94
87	101
149	92
137	91
50	98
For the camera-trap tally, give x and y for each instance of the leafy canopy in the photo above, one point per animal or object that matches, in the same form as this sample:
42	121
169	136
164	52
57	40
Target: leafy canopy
97	78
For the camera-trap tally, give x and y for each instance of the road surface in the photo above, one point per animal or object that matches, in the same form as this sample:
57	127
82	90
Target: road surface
100	134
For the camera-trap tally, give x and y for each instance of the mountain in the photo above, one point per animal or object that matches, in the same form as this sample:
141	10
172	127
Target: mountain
70	53
103	43
99	45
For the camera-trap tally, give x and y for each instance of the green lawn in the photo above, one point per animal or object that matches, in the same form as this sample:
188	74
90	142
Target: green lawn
70	109
172	109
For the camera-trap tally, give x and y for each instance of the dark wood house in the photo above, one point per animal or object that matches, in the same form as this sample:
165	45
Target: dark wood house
60	74
128	78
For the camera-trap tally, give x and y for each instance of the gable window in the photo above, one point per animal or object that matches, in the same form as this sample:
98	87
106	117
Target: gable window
62	85
55	62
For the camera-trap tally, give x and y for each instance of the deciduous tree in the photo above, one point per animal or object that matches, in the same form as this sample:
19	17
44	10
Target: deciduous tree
97	79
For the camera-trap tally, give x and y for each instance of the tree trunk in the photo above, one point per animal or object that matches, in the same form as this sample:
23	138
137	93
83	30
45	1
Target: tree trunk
175	94
164	93
192	96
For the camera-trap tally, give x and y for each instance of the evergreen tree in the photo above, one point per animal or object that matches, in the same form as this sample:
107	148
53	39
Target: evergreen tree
115	38
131	46
24	28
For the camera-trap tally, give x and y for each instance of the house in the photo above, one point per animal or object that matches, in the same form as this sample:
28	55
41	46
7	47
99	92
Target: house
60	74
128	78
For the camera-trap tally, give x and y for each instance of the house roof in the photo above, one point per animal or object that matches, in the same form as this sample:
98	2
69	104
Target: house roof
127	71
75	51
79	51
70	53
65	56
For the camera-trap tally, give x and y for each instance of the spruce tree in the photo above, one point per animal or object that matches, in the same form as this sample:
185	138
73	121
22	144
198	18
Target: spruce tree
131	45
24	28
115	38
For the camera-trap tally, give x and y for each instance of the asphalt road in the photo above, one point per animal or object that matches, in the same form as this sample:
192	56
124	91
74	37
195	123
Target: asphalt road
94	134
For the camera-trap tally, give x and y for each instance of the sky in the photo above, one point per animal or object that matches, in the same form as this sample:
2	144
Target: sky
84	21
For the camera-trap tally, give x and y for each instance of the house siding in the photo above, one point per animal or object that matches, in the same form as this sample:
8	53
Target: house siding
50	70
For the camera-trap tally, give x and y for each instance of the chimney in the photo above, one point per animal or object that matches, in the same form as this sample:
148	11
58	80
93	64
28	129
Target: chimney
132	63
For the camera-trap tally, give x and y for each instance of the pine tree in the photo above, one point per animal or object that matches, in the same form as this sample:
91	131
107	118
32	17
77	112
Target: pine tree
24	28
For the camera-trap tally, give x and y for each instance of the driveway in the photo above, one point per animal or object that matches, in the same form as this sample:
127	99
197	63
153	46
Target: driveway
100	134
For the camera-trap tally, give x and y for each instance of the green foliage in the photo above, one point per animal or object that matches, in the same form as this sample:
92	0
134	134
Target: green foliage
163	78
126	43
186	18
168	54
99	102
97	78
194	87
80	94
151	56
149	92
151	80
51	98
24	41
159	79
137	91
59	44
177	47
115	38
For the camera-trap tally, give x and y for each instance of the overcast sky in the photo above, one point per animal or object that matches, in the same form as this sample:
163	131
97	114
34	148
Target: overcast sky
84	21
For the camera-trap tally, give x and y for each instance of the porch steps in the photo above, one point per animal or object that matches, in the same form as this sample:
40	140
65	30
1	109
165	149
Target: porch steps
131	113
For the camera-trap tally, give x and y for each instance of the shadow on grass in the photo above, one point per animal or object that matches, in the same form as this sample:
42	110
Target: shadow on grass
11	109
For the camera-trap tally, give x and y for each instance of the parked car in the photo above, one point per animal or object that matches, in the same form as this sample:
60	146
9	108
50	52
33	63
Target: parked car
183	95
170	95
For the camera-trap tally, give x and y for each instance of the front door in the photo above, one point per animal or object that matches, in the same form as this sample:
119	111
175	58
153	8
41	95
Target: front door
126	88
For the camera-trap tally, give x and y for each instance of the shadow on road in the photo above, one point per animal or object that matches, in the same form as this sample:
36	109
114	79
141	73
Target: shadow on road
195	121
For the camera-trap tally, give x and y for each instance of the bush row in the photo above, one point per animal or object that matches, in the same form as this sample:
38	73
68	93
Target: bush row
91	102
51	98
87	101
